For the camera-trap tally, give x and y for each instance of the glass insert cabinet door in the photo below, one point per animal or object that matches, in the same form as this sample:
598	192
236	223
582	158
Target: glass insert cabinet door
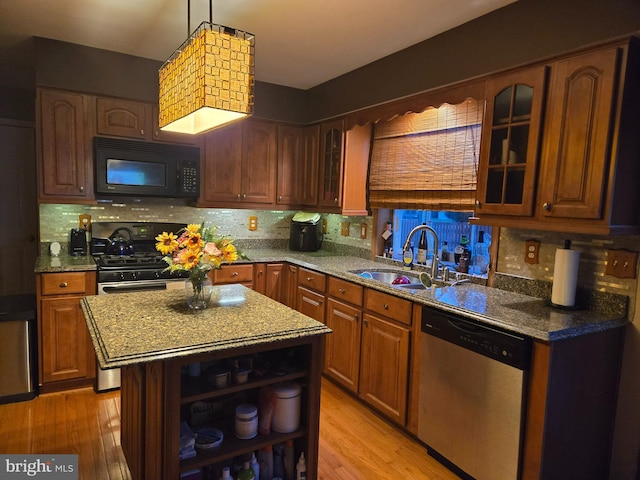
510	138
331	155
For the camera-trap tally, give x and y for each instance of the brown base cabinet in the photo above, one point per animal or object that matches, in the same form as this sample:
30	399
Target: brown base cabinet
310	293
342	352
66	355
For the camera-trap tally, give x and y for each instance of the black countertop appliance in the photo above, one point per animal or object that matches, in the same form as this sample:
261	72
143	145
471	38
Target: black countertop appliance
78	241
306	232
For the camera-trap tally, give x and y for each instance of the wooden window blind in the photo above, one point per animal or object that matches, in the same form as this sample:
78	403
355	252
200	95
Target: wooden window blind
427	160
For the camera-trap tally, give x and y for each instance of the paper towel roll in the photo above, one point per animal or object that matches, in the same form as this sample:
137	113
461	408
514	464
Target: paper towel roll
565	277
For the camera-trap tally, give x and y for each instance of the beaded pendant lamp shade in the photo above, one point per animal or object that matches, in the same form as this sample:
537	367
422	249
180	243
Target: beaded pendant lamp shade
208	81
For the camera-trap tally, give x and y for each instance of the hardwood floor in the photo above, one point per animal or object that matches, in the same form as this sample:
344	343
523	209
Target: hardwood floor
355	444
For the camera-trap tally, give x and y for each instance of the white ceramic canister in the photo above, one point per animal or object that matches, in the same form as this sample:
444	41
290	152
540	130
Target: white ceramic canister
246	421
286	414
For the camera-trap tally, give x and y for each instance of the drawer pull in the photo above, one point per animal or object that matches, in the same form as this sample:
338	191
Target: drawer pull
64	285
342	291
234	274
309	279
385	306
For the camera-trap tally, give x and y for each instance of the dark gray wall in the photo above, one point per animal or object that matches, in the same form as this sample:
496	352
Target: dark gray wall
521	32
524	31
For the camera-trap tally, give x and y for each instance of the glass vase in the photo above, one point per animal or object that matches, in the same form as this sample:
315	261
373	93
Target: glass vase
198	292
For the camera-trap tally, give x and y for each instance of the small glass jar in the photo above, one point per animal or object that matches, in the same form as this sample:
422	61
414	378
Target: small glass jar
246	421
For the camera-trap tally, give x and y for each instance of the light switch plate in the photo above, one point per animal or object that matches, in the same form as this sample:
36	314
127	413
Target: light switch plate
621	263
363	230
344	230
253	223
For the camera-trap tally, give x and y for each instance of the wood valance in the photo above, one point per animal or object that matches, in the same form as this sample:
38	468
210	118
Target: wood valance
452	94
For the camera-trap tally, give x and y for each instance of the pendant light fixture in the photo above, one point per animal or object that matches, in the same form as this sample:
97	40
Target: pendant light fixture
208	81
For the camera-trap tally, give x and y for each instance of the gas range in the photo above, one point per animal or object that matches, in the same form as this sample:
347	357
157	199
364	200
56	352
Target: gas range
142	263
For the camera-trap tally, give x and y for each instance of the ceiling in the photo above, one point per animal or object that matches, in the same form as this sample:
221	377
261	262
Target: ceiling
298	43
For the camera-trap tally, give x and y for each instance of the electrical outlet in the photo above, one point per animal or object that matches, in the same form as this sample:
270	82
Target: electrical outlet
363	230
532	250
345	229
324	226
253	223
621	263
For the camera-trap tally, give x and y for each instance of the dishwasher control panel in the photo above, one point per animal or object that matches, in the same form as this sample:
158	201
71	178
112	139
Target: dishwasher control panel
500	345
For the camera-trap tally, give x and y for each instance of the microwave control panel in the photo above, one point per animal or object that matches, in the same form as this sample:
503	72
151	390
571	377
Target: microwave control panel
188	181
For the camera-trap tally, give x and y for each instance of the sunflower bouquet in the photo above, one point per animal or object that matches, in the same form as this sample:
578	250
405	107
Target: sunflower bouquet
196	249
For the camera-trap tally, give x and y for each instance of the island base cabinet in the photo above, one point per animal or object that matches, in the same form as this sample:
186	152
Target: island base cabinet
156	397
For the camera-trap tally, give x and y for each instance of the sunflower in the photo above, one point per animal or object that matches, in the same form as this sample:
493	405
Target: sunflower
229	251
167	243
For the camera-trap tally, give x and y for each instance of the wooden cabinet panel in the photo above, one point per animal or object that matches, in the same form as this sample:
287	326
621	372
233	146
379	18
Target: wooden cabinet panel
259	158
297	165
236	273
64	147
392	307
64	340
345	291
384	378
310	303
239	164
290	286
63	283
510	138
311	279
331	157
342	347
123	118
66	355
576	154
274	283
221	165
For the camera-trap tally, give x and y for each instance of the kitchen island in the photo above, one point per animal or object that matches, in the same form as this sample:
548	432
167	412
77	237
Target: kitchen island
154	337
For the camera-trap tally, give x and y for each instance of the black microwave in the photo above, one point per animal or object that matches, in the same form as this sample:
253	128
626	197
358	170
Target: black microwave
136	168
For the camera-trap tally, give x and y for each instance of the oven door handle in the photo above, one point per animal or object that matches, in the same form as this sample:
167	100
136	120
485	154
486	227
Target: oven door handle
133	287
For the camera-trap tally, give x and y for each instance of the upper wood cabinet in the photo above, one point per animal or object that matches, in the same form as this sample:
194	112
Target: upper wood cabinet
65	159
587	170
330	173
238	167
510	137
343	167
576	146
123	118
297	182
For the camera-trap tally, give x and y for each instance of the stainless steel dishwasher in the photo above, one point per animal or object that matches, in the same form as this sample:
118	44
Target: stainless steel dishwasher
472	395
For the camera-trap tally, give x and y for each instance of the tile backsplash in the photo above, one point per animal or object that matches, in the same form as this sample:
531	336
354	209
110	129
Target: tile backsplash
56	220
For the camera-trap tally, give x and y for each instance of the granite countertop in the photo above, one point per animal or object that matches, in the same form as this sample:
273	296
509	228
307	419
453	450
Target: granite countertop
519	313
64	263
527	315
133	328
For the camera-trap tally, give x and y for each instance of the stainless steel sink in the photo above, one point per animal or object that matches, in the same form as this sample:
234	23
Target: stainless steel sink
389	276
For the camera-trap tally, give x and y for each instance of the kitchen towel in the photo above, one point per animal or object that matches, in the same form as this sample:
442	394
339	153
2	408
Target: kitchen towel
565	276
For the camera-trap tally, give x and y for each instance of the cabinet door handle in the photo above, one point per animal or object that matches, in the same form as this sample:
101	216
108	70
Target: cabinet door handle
142	132
385	306
547	206
335	200
366	323
244	195
342	291
82	189
64	285
238	196
478	204
357	317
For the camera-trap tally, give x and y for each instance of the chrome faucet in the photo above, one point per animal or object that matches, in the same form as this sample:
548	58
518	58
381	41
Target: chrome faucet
434	262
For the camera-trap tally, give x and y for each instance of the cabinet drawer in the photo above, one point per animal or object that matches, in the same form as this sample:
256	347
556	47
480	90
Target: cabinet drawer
311	279
346	291
63	283
234	274
387	305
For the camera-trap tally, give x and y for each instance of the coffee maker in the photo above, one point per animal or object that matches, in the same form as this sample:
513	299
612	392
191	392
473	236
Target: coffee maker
78	242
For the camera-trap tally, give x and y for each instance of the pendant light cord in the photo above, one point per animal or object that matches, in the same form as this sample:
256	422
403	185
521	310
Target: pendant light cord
189	15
